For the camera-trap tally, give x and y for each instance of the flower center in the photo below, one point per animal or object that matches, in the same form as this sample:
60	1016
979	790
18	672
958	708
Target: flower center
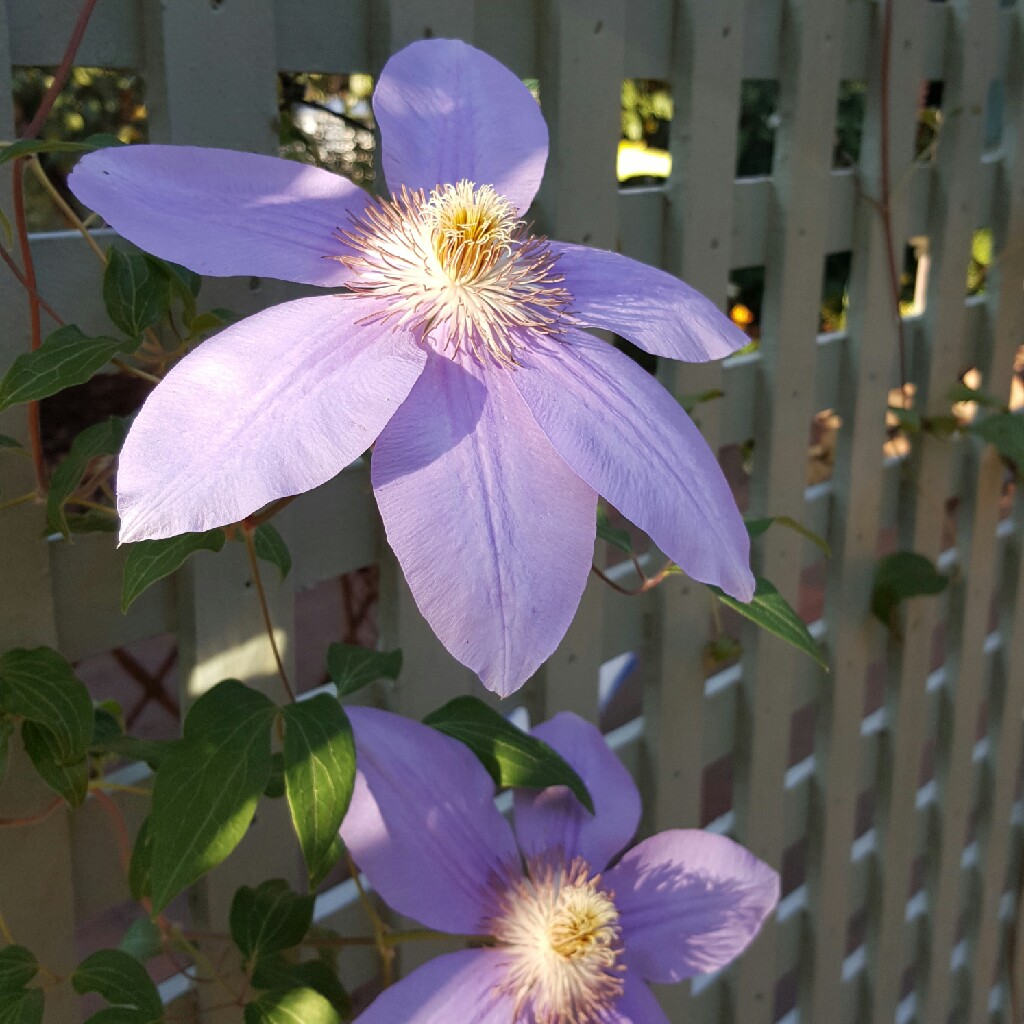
458	268
561	934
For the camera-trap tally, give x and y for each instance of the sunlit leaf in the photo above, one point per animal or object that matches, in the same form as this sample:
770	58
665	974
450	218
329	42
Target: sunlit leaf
67	357
206	789
511	756
135	291
152	560
298	1006
351	668
319	772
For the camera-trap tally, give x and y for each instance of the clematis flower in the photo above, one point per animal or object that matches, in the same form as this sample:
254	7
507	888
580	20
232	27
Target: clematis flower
457	345
567	940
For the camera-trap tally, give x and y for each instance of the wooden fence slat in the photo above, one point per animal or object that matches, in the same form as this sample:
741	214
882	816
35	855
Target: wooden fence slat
921	529
856	493
1007	304
971	35
707	48
577	203
36	881
789	327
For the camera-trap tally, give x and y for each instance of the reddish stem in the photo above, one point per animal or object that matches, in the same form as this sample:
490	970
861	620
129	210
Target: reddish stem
32	819
884	206
34	302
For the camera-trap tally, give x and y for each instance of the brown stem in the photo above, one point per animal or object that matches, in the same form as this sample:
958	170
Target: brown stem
254	564
259	518
885	205
18	196
23	281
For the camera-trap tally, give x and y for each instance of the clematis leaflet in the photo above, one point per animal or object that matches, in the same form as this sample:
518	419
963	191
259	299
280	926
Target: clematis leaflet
457	347
565	939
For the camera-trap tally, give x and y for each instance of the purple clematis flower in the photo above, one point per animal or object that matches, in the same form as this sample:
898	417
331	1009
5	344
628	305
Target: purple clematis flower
457	346
568	942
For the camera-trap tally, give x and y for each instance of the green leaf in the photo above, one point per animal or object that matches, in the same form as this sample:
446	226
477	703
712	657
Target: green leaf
141	940
511	756
6	731
9	442
123	1015
275	784
270	546
899	576
319	773
269	918
351	668
690	401
961	392
207	788
106	725
275	972
24	1007
908	419
120	979
65	358
93	520
41	686
298	1006
770	610
136	292
132	748
68	778
210	321
26	147
140	882
152	560
184	286
756	527
102	439
17	968
1006	431
612	534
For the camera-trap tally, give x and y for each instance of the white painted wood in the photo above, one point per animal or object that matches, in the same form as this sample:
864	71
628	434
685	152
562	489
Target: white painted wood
700	224
970	39
36	881
810	45
856	494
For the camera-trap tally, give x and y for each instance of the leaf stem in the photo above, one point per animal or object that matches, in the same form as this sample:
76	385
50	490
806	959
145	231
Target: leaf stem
254	564
20	500
32	819
384	949
61	204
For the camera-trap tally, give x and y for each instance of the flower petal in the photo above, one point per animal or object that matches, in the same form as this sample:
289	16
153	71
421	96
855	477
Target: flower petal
423	825
448	111
221	213
654	310
690	901
461	987
623	433
494	532
554	819
274	405
638	1005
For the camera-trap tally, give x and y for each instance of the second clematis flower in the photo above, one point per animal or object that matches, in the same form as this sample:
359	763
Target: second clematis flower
567	940
457	347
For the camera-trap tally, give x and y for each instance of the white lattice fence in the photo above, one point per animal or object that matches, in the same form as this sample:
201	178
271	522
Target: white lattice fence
898	882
